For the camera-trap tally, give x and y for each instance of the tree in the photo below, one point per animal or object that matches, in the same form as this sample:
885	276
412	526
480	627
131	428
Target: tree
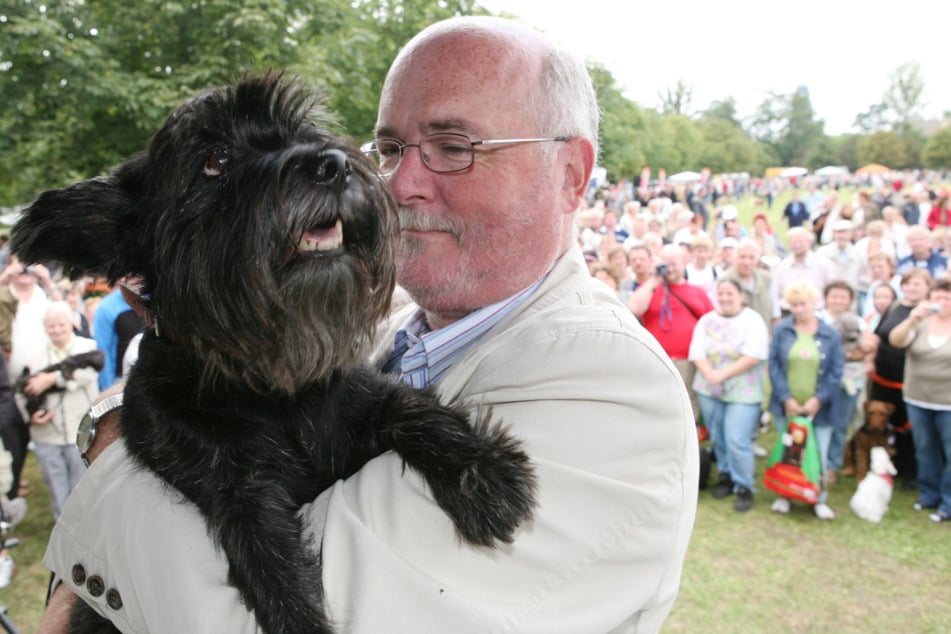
882	147
903	96
724	110
623	130
937	151
677	98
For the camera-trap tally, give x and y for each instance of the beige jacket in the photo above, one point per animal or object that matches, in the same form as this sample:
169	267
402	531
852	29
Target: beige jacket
599	407
70	403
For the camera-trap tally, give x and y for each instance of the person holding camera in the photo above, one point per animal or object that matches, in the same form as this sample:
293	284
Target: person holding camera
54	424
670	307
925	335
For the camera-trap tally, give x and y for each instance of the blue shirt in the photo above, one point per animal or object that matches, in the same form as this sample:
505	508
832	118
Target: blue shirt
422	355
107	340
936	264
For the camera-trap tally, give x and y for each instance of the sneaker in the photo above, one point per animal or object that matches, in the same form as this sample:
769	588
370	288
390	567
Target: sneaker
918	506
940	516
724	486
781	505
759	451
765	420
744	500
823	512
6	570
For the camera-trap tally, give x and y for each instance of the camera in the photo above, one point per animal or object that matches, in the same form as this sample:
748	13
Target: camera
661	270
934	308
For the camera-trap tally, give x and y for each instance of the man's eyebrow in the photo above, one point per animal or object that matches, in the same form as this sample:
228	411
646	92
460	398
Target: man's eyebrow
459	126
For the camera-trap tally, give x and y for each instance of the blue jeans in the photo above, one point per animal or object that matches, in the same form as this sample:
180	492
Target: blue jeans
931	431
843	408
732	427
823	441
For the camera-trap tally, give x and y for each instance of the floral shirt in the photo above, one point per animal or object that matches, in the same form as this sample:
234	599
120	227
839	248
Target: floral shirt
722	340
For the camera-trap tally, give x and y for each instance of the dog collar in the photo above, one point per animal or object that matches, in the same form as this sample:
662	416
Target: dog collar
87	426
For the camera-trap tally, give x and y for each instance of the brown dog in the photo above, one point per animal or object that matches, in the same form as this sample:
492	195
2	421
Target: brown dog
874	433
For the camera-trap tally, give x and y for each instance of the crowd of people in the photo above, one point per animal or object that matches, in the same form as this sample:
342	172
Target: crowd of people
48	326
850	306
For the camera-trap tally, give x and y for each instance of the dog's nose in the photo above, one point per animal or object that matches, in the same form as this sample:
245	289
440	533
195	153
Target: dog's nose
331	168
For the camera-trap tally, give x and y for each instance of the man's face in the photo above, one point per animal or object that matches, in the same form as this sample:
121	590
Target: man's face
799	244
746	260
842	238
673	257
641	261
462	235
919	243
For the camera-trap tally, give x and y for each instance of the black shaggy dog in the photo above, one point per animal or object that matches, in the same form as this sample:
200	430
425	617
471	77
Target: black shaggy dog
264	246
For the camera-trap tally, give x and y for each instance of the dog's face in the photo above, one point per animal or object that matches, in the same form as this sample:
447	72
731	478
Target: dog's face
264	243
881	463
877	414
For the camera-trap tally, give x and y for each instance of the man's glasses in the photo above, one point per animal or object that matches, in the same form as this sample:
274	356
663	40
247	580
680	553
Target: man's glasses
442	153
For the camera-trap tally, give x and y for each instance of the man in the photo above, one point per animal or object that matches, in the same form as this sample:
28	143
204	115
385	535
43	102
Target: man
754	279
593	397
845	260
923	255
642	266
800	265
670	307
796	213
114	326
700	270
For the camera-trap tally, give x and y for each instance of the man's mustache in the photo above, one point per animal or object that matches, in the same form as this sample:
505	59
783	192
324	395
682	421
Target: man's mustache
413	220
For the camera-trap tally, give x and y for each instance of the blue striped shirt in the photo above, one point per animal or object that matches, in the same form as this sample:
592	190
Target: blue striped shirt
422	356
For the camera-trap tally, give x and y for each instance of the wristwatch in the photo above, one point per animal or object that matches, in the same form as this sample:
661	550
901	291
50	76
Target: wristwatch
87	426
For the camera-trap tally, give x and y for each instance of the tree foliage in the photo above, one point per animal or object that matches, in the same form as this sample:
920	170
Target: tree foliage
84	83
937	151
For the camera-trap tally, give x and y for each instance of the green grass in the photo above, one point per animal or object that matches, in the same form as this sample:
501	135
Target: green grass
26	594
764	572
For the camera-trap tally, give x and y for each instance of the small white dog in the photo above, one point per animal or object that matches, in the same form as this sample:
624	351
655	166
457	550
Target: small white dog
874	492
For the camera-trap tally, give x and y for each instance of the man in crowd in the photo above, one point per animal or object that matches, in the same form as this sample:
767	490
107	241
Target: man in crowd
795	212
670	307
845	260
754	279
923	255
800	265
596	402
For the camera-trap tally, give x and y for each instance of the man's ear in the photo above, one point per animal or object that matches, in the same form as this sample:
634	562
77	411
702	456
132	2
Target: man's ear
577	173
86	226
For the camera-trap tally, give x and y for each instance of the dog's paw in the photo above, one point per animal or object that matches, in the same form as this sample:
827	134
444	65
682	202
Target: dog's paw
492	491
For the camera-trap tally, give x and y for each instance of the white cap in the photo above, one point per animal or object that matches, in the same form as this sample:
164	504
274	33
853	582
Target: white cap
729	212
842	225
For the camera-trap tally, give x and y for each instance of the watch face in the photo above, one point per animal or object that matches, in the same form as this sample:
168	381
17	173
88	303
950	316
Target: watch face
86	433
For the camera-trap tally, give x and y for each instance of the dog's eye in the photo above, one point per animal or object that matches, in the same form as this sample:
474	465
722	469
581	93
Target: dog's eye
218	163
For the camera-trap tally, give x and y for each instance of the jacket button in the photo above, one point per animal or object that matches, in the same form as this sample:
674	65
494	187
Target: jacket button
79	574
114	599
95	585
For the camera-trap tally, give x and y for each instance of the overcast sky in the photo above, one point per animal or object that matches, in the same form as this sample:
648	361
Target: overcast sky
844	51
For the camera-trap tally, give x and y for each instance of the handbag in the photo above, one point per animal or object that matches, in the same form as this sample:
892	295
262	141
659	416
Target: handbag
794	468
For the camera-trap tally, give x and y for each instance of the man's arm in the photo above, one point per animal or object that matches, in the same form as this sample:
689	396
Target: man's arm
640	299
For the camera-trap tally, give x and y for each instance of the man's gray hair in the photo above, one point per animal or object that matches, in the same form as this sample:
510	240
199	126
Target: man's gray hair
568	104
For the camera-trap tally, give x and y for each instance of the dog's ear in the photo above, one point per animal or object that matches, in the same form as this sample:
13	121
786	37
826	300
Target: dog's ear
86	226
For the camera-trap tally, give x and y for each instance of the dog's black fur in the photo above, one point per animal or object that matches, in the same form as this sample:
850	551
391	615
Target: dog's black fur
250	397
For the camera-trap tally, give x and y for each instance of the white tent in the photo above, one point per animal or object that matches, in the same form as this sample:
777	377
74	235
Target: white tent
789	172
684	177
832	170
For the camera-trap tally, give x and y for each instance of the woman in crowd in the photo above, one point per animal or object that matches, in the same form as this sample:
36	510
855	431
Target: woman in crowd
926	336
65	400
770	245
940	214
838	313
805	369
729	348
885	380
874	244
882	298
881	271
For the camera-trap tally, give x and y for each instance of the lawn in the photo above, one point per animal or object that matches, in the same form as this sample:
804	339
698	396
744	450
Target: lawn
763	572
